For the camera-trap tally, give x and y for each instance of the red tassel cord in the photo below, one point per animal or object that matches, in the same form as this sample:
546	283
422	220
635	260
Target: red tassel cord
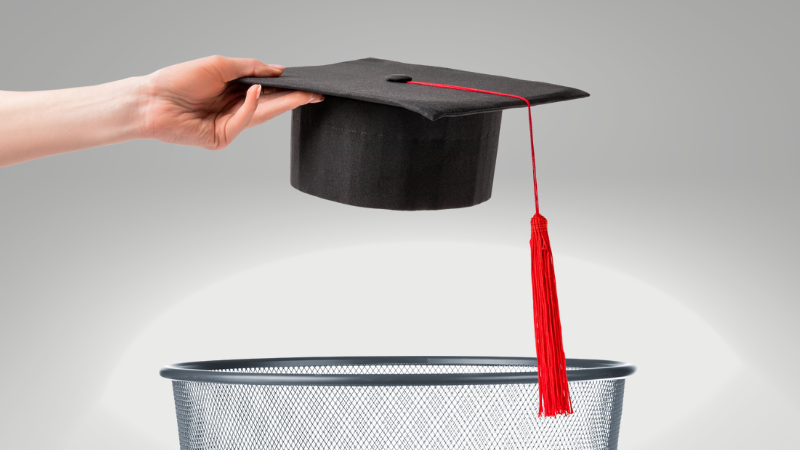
550	360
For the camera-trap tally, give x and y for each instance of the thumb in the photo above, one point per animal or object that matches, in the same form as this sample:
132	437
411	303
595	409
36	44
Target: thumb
241	118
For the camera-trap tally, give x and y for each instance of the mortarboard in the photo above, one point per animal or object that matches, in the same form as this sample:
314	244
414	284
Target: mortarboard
410	137
378	142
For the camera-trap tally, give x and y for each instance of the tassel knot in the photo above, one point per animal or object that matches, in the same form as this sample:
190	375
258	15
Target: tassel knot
539	223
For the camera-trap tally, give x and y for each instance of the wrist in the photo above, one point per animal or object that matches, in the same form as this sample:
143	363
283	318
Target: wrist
139	99
119	109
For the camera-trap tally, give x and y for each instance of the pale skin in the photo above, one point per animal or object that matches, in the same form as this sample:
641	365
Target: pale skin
191	103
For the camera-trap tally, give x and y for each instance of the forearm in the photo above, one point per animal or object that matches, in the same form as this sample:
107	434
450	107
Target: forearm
38	124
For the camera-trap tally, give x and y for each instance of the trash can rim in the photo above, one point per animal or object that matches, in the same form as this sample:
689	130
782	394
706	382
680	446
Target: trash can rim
220	371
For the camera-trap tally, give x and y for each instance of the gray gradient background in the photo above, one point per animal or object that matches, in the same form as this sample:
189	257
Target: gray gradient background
680	170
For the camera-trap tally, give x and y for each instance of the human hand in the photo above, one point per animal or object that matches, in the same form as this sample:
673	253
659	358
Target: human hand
192	103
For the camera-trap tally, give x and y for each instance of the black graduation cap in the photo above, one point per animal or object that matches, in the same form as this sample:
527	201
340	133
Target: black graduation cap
406	137
380	142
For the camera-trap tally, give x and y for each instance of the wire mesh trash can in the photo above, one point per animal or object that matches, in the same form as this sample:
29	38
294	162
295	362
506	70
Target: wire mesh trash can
391	403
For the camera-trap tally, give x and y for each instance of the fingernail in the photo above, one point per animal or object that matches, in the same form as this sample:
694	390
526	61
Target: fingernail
258	91
277	66
317	98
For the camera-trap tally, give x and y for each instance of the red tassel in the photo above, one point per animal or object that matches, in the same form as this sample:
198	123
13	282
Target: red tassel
552	365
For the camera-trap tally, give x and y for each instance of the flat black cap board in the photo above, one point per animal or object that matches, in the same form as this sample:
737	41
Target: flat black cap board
378	142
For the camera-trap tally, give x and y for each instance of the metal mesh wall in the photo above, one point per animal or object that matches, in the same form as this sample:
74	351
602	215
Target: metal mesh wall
501	416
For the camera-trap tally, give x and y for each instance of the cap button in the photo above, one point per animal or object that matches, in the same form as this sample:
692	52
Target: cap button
398	78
